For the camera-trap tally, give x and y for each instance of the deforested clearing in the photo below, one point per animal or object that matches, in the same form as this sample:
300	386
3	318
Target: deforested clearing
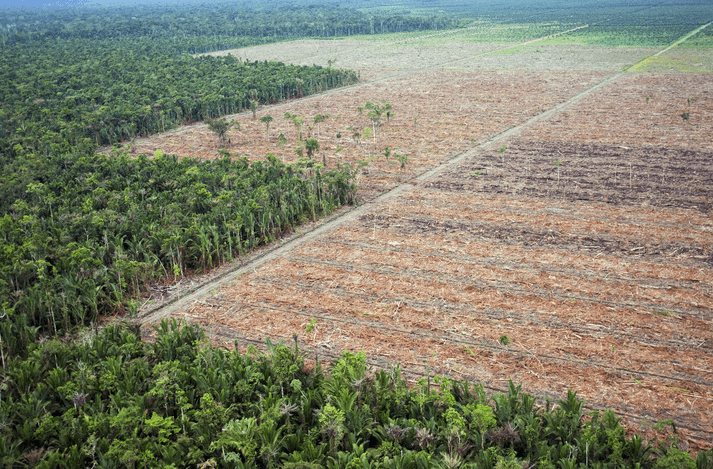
553	226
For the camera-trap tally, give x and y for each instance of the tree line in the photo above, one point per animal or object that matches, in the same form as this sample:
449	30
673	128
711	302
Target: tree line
56	96
83	233
113	401
81	236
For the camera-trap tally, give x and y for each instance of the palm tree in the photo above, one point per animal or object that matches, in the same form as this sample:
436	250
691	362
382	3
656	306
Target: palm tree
318	119
374	115
220	127
282	141
266	120
289	117
356	135
298	122
312	146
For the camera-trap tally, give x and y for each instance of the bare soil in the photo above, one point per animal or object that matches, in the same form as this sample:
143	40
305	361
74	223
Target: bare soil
373	59
586	238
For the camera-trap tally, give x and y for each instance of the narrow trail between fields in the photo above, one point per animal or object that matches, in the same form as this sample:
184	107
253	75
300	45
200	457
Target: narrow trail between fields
151	315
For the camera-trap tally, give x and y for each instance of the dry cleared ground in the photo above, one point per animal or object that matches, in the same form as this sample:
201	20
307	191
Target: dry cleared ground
585	237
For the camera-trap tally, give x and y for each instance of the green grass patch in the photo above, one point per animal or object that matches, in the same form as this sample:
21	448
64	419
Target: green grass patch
388	37
699	41
475	33
674	64
674	388
574	38
622	36
510	51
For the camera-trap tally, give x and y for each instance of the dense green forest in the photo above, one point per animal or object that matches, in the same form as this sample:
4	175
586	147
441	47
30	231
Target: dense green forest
113	401
627	13
62	93
110	73
82	235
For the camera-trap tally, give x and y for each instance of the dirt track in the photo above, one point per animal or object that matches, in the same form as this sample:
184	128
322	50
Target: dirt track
568	211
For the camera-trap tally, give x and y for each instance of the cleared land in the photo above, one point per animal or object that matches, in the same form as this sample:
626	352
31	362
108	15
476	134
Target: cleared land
584	235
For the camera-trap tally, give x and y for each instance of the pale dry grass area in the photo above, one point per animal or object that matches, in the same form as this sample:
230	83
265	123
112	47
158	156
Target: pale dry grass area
565	57
373	59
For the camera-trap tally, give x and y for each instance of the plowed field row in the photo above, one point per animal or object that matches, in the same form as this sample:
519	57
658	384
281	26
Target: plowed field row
616	175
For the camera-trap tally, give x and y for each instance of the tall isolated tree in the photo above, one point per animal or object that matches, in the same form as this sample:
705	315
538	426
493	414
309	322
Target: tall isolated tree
281	142
376	111
318	119
312	147
288	117
220	127
266	120
298	122
387	110
355	134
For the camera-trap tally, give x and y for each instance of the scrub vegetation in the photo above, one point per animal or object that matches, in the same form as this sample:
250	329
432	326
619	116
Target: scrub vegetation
111	400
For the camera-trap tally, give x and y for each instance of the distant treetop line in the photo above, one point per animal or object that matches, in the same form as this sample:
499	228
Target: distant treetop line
208	19
228	23
506	10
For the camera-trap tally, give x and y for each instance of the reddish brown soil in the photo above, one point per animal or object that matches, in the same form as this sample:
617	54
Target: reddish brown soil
587	241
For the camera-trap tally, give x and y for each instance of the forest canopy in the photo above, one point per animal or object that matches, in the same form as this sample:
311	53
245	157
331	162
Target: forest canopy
112	401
